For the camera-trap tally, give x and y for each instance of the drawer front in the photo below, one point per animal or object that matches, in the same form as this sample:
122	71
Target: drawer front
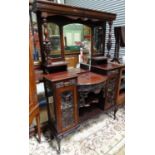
71	82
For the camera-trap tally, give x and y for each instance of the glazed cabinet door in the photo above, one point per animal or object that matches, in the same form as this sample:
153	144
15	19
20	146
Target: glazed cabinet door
67	108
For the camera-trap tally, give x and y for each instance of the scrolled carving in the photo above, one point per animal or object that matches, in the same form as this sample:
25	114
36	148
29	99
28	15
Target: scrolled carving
46	42
66	83
111	92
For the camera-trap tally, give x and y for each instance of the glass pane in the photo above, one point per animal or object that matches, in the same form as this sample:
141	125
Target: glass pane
67	107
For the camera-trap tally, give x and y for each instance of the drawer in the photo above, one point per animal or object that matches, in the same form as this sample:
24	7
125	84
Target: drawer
66	83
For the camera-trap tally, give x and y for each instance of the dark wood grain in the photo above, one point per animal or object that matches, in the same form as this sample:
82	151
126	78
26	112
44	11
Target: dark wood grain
55	77
121	96
90	78
46	6
109	66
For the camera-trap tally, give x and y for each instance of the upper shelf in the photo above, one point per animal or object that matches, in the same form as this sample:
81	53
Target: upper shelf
50	8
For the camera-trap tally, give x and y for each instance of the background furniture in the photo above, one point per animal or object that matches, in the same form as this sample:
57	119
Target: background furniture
119	41
33	103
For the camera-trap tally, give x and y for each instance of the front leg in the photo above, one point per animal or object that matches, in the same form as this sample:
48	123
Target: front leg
59	145
115	111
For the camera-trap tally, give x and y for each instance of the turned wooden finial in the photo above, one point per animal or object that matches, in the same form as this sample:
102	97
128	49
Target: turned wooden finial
45	30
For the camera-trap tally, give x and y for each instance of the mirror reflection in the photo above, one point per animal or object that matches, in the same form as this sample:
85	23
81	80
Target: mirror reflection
54	38
98	40
77	41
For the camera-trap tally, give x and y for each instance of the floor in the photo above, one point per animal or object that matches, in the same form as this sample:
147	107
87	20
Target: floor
121	152
99	136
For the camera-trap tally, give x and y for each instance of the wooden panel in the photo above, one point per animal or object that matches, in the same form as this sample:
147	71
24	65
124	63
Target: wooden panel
111	90
33	102
32	85
121	96
54	77
108	66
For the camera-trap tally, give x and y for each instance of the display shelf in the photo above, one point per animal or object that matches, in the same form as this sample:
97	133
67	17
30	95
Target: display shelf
86	113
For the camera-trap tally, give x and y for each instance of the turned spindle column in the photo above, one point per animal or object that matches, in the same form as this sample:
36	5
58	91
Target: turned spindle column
109	43
46	42
117	46
62	41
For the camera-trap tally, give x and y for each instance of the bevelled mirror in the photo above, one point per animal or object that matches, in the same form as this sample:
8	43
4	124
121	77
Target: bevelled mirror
98	40
77	42
54	39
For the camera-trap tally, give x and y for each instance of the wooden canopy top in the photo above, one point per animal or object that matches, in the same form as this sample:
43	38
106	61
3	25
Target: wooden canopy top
51	8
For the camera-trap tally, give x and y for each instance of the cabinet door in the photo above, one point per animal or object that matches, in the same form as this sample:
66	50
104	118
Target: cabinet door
67	109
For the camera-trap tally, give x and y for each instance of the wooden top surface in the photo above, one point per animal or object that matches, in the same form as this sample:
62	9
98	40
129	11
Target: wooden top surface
99	58
54	77
78	71
109	66
63	9
58	63
90	78
73	73
84	77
